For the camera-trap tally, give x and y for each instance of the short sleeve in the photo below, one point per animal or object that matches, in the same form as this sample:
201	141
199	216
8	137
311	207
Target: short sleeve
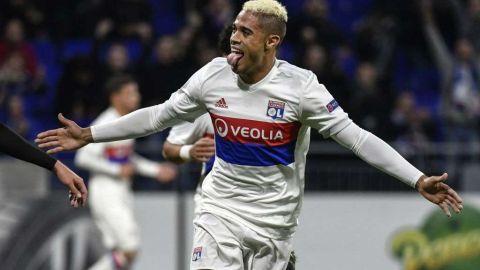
320	110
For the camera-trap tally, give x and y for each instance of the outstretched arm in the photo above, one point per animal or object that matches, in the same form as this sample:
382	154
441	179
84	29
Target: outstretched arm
136	124
72	136
379	154
185	104
15	146
322	112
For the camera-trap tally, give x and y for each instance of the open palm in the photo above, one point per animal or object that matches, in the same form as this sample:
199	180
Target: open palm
62	139
435	190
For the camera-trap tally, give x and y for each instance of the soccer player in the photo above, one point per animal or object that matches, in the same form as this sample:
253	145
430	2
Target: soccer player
14	145
112	165
262	109
191	141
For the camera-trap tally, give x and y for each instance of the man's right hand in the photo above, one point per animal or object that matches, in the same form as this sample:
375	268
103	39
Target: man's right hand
166	172
203	149
127	170
70	137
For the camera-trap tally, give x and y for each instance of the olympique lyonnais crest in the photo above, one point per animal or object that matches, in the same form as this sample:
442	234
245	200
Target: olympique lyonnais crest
197	254
275	109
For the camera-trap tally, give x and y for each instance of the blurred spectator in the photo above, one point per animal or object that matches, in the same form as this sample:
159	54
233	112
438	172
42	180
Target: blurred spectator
399	20
316	59
72	19
117	62
204	52
460	86
215	14
13	41
370	100
460	81
472	23
17	120
19	72
29	12
13	78
186	37
411	127
312	26
375	38
78	91
125	19
166	73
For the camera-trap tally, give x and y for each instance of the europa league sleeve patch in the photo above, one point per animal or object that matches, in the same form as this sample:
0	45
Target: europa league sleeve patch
332	105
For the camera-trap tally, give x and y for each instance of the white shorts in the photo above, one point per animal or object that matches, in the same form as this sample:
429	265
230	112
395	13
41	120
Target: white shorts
111	204
197	197
221	244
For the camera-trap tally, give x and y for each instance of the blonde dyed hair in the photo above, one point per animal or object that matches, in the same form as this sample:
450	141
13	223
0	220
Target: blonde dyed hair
267	7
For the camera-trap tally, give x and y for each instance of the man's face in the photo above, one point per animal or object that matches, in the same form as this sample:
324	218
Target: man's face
118	57
247	44
14	31
129	97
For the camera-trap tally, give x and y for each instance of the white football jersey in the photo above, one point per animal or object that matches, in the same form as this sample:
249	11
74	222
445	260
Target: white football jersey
261	139
104	160
262	134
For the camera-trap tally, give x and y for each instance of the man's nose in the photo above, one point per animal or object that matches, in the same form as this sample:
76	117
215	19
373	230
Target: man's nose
234	39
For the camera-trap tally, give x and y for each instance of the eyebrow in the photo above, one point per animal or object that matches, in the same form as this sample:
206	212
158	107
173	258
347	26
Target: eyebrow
242	27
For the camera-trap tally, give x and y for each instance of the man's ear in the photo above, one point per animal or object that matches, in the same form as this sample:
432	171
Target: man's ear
272	42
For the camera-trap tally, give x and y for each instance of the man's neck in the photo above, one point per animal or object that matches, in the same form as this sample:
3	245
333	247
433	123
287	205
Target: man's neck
258	74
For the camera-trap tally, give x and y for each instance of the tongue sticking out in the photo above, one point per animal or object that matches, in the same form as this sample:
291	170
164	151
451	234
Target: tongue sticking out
233	59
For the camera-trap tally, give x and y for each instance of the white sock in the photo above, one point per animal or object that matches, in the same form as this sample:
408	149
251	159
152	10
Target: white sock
104	263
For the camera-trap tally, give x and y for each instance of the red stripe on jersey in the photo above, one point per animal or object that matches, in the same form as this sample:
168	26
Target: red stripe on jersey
253	131
118	151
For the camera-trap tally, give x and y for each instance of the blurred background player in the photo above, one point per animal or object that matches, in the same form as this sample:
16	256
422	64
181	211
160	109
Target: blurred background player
112	166
14	145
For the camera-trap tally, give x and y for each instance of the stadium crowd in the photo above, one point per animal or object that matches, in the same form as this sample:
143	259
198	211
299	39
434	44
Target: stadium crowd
408	71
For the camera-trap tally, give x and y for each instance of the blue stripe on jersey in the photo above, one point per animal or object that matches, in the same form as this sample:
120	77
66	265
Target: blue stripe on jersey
209	164
254	154
119	160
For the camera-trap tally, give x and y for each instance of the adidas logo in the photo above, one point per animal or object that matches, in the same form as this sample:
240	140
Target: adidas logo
221	103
